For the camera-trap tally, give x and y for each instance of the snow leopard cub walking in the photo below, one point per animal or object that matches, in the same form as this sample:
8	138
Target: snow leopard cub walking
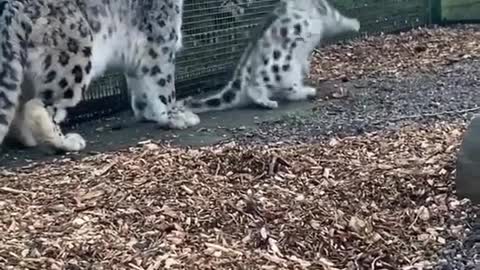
277	59
50	50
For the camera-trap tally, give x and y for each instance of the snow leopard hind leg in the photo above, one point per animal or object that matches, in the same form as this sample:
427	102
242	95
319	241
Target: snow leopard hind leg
61	76
152	88
12	60
282	74
57	72
145	48
325	21
268	69
151	81
43	125
279	71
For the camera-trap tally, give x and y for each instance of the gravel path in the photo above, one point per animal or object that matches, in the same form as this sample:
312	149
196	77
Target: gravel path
416	76
380	103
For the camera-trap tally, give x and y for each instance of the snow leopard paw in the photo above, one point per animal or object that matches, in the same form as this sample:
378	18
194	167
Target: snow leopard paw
73	142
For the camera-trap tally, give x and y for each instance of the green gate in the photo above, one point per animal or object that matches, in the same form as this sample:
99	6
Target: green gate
456	11
215	35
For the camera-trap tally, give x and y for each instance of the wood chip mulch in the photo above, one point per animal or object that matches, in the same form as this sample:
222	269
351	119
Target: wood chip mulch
380	201
418	50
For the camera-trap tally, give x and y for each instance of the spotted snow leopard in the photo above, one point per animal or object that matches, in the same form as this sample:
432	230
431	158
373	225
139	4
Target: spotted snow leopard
50	50
277	59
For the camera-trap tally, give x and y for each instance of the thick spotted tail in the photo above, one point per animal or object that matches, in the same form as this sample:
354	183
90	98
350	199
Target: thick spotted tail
11	68
229	97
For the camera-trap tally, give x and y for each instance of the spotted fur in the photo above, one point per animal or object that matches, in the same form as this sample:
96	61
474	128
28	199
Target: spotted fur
50	50
235	7
277	59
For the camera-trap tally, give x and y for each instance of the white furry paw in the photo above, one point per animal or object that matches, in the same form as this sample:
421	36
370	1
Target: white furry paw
73	142
302	93
309	91
191	118
268	104
182	119
176	121
354	24
150	111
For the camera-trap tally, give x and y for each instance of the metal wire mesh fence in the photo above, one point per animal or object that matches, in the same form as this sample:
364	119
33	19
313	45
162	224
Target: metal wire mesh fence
216	33
215	36
106	96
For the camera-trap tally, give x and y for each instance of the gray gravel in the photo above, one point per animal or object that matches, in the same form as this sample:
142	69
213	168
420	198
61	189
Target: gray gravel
463	255
379	103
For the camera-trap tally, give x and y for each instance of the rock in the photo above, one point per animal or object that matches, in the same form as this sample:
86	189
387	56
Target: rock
468	163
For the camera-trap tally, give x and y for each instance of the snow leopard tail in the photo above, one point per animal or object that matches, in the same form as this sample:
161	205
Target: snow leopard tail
13	33
335	23
231	95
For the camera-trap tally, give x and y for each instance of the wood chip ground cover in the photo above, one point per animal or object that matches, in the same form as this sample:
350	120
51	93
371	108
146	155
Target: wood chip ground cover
418	50
382	200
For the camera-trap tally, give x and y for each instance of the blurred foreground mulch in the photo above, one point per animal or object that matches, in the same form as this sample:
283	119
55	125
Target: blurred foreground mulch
379	201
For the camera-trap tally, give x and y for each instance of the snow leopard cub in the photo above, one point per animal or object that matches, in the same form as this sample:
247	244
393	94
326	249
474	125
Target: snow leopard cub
50	50
277	59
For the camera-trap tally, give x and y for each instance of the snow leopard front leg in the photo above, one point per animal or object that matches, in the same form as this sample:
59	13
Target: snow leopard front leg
152	89
42	122
59	76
